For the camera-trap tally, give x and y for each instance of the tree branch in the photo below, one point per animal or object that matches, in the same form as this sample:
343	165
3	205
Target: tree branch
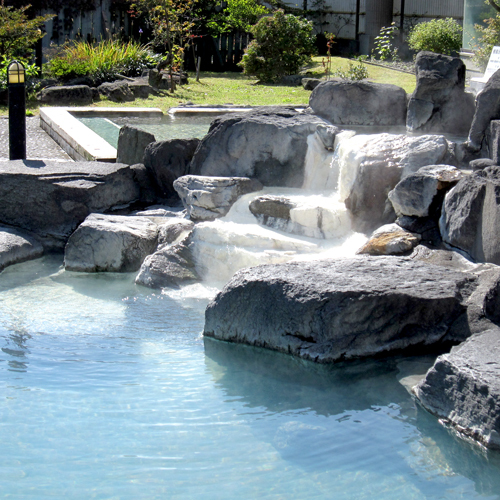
494	5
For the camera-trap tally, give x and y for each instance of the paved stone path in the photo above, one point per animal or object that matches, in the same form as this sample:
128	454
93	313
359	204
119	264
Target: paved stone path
39	145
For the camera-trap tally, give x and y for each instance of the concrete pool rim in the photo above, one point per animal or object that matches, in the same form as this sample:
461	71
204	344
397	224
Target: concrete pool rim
83	144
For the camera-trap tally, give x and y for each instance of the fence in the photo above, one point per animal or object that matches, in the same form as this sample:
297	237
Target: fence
218	54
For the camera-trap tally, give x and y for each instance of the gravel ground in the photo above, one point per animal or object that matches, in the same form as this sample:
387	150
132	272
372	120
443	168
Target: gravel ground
39	145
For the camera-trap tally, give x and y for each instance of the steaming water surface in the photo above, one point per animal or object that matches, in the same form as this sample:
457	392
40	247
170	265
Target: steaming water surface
108	391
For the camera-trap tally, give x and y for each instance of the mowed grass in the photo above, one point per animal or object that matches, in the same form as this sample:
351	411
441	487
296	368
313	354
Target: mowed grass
237	89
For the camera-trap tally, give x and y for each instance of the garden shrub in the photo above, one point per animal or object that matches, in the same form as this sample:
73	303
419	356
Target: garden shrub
282	45
102	62
443	36
31	74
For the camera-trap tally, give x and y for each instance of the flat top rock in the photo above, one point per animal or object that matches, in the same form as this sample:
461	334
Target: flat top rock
479	357
46	168
387	274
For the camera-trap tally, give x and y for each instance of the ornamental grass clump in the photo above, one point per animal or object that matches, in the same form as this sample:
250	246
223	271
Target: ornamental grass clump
282	45
102	62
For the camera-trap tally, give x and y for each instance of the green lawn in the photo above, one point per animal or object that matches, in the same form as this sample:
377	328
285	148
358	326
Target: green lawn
235	88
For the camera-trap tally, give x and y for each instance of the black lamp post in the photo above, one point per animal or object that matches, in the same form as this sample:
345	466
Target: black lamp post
16	78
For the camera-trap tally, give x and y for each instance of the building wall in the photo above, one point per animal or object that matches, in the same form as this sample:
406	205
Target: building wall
99	24
340	18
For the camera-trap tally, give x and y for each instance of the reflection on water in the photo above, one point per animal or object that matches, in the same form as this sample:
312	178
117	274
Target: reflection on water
108	390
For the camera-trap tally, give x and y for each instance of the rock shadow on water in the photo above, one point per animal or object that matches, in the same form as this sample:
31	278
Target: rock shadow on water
458	456
372	423
315	407
280	382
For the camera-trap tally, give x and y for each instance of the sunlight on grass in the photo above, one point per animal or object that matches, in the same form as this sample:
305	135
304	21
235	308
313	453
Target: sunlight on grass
234	88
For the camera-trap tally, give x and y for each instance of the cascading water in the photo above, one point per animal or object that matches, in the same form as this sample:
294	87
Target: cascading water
319	224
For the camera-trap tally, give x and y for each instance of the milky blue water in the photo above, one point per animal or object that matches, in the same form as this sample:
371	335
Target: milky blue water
166	127
108	391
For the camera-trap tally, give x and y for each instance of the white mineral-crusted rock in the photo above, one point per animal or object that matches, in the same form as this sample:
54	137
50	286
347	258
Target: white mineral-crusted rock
372	165
320	217
15	247
112	243
331	310
268	144
463	388
207	198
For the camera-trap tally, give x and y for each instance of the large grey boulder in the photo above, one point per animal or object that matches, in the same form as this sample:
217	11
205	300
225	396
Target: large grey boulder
16	246
52	198
359	103
169	267
140	88
439	102
118	91
380	162
207	198
63	95
160	79
110	243
169	160
463	388
417	194
268	144
331	310
487	109
131	145
471	215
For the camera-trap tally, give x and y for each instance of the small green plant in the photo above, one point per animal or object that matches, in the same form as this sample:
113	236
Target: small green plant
101	62
490	37
282	45
443	36
353	73
384	49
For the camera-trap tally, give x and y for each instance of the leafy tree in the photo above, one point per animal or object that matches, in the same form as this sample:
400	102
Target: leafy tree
18	33
237	15
282	45
443	36
172	22
490	37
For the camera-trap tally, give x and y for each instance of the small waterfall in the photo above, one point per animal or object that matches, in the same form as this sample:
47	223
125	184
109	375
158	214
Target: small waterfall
319	224
321	168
